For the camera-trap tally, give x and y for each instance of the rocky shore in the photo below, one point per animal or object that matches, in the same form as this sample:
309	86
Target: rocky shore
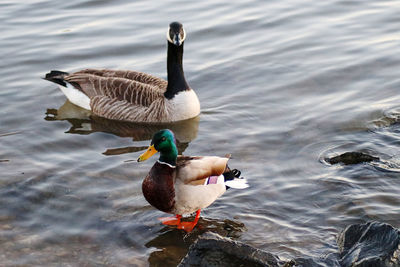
371	244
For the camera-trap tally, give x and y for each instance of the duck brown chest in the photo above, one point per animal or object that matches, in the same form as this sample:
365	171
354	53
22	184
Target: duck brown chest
158	187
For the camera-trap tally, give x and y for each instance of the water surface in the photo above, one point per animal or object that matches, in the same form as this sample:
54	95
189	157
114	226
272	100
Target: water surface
282	86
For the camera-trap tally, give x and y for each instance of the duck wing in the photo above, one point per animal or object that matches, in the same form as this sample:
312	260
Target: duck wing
191	191
195	170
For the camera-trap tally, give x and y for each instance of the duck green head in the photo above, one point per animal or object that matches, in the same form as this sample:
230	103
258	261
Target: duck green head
164	142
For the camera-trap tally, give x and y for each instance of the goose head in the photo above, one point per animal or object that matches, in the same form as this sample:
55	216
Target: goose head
176	34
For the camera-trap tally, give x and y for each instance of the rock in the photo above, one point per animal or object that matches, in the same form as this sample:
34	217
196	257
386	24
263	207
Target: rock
213	250
313	262
371	244
349	158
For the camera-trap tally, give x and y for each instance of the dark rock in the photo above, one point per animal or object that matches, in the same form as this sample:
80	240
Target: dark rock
213	250
314	262
371	244
349	158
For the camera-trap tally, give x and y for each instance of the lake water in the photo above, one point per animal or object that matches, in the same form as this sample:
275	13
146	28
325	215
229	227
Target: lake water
282	85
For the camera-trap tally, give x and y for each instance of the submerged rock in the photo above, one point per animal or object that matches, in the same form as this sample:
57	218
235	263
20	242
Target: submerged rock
370	244
213	250
349	158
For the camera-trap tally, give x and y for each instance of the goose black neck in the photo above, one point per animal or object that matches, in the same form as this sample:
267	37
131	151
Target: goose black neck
176	77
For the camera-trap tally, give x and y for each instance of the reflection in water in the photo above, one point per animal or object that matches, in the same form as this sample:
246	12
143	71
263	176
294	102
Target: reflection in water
173	244
7	134
84	122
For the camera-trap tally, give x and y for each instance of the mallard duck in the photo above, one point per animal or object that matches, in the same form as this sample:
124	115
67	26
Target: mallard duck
131	95
182	184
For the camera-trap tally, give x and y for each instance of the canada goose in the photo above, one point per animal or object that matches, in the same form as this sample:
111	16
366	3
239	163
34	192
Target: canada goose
131	95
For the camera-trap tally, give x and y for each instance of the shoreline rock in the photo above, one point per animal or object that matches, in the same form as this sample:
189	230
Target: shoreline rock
371	244
211	249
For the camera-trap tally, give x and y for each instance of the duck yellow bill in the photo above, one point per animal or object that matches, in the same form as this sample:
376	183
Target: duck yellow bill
149	152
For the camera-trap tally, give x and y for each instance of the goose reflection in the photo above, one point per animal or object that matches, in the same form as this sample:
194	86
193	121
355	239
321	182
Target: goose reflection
84	122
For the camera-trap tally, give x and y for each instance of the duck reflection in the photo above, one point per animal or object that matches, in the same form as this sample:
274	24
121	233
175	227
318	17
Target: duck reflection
84	122
173	244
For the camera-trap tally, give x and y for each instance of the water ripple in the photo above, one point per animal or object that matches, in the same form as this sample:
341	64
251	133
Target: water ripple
282	86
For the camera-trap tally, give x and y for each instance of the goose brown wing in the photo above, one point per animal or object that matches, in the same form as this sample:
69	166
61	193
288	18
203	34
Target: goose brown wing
102	83
130	75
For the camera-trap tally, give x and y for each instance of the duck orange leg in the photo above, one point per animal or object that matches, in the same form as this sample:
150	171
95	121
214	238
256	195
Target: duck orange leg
171	220
188	226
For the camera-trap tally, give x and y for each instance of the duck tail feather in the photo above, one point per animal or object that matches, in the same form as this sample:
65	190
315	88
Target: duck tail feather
233	179
237	183
231	174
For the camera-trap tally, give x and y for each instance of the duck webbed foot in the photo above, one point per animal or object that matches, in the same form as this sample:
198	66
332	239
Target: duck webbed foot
188	226
171	220
176	221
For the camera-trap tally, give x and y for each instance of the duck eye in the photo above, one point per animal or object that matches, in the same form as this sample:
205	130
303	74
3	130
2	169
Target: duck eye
163	139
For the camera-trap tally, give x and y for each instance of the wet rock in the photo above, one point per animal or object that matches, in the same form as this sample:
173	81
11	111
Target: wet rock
173	244
330	261
371	244
349	158
213	250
